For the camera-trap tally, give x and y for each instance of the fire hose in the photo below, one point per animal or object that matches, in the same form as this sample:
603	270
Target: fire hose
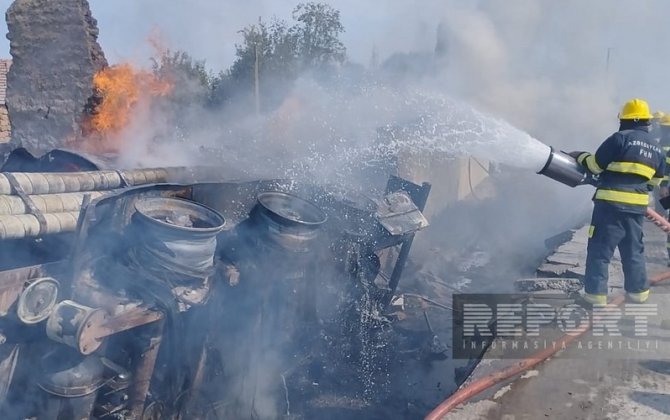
474	388
658	220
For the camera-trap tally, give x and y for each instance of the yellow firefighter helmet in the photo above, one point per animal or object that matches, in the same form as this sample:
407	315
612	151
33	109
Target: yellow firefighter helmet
635	109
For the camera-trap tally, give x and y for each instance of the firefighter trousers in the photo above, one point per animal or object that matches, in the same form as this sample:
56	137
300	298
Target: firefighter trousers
612	228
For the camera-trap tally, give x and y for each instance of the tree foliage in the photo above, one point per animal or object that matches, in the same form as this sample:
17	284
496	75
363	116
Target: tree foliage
279	52
318	30
276	51
189	78
272	45
313	41
190	89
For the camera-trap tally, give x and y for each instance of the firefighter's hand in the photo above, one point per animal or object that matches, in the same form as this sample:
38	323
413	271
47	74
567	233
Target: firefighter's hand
664	192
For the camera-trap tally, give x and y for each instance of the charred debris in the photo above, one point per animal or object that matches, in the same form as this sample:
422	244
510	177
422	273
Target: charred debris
198	300
171	293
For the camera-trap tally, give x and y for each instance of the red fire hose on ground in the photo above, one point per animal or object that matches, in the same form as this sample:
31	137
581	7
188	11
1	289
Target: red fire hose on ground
474	388
658	220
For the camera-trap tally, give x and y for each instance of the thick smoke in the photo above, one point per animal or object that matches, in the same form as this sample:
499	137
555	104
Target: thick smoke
557	71
547	62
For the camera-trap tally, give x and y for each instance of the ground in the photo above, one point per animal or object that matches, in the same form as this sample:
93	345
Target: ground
631	383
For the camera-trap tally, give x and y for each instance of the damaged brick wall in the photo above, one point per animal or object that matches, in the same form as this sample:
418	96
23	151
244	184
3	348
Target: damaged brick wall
55	55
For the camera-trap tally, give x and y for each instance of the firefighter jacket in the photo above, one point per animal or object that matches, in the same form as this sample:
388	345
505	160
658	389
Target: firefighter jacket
665	141
628	165
665	145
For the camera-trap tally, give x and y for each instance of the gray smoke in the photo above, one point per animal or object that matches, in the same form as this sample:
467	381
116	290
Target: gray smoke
557	70
542	65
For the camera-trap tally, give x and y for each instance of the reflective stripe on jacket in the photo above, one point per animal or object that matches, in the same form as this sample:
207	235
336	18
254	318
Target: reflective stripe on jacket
629	164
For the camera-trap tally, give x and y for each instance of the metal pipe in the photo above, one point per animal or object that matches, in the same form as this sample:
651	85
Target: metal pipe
564	168
27	225
65	182
46	203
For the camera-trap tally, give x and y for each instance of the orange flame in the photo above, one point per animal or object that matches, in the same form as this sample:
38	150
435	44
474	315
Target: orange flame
121	90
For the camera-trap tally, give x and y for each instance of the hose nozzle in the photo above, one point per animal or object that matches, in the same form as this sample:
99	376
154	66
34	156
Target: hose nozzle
564	168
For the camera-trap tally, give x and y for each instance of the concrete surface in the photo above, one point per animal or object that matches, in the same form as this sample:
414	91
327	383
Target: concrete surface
601	384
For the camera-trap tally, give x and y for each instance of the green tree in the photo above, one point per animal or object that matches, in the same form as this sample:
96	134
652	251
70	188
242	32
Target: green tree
190	80
283	57
318	34
255	49
271	56
190	90
266	63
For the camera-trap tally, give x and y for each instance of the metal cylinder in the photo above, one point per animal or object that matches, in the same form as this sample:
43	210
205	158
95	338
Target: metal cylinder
56	183
287	261
27	225
70	383
177	236
563	168
37	300
46	203
76	326
289	222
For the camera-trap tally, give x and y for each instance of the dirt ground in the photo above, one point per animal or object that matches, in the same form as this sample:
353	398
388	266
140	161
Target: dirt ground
631	382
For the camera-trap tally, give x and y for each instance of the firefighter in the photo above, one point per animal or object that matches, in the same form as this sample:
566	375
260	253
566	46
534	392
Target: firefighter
664	132
664	125
656	124
661	133
628	165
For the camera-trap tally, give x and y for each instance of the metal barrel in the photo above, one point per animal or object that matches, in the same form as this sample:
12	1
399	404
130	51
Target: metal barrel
289	221
563	168
69	384
177	236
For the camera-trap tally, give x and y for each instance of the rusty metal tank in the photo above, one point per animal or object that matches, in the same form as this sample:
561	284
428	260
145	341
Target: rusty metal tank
69	382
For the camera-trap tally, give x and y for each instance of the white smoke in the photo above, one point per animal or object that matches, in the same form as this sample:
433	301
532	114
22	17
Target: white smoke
541	65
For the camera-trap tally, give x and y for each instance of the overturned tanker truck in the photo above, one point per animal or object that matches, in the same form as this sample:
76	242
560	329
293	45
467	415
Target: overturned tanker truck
165	293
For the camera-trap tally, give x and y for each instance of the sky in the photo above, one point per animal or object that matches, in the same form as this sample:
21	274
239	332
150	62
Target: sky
541	64
208	29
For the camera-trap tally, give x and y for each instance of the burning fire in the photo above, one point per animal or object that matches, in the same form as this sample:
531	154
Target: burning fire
119	90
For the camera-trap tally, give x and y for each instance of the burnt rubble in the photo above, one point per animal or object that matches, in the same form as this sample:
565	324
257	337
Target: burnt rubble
187	296
270	301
